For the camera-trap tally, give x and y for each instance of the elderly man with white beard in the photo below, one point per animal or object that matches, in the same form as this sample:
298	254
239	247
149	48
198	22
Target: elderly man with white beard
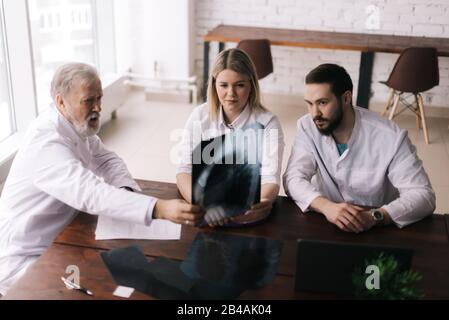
62	167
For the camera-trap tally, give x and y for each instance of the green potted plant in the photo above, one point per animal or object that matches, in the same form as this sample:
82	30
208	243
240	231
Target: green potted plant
392	283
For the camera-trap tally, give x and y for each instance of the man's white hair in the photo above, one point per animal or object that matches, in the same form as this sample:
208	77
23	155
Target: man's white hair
65	75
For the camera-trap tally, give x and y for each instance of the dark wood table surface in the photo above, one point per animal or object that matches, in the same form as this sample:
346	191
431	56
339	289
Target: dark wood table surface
77	245
365	43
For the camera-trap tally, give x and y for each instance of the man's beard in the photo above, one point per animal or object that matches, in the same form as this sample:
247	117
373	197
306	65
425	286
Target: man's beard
332	124
88	127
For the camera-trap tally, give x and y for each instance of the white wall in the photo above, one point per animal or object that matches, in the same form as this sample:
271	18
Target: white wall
148	31
399	17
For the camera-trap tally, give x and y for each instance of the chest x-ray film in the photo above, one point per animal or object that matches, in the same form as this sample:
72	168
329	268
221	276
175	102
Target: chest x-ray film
226	173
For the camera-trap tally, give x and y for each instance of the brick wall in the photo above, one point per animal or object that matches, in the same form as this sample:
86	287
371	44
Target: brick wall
398	17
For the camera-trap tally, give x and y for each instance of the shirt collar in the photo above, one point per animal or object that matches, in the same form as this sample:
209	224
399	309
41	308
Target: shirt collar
355	129
239	122
69	129
330	139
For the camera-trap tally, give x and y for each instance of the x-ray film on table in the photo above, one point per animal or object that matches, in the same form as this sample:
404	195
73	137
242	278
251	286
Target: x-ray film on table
231	261
226	173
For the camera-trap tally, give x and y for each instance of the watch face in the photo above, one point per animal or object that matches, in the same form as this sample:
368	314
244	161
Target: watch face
378	216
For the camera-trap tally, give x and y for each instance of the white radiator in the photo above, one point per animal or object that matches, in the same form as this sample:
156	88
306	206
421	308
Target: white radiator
115	91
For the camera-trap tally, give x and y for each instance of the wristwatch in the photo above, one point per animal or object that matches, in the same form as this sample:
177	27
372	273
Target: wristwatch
377	215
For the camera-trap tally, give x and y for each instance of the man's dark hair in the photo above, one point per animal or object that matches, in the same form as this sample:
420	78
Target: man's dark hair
335	75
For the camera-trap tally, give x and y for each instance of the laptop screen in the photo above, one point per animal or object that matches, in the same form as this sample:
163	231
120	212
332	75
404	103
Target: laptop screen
328	267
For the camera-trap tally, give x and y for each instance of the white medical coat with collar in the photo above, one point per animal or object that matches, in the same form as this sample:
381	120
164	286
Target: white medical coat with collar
380	168
55	173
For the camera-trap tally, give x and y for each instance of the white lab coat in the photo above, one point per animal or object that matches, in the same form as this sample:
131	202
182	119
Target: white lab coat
380	168
199	127
54	174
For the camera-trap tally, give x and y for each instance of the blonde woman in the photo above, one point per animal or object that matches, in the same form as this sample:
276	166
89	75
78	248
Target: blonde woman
233	102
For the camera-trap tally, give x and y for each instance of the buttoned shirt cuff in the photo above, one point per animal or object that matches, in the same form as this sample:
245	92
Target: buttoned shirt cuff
185	168
395	215
270	179
304	204
149	216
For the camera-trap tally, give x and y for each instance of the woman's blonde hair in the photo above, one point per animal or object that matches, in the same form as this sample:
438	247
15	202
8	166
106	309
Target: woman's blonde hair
236	60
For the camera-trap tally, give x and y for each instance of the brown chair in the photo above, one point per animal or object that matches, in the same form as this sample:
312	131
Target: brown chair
415	71
259	51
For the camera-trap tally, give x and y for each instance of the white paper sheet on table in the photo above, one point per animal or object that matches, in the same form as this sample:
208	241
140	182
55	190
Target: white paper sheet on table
108	228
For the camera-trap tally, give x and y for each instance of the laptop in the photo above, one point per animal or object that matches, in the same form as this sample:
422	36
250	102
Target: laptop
327	266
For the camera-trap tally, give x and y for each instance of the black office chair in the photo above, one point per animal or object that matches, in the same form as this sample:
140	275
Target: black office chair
415	71
259	51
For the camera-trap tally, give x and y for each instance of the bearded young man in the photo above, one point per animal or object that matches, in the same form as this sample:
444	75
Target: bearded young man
356	168
62	167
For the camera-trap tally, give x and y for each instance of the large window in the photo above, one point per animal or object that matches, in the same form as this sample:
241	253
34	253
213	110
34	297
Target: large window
6	116
37	36
61	31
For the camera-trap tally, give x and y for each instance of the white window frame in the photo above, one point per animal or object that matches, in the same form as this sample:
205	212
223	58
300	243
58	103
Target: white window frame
12	119
21	78
19	52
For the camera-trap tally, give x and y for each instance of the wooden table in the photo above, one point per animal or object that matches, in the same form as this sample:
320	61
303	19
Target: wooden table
76	246
367	44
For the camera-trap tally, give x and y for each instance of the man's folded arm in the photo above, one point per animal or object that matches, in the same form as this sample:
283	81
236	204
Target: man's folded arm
416	197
